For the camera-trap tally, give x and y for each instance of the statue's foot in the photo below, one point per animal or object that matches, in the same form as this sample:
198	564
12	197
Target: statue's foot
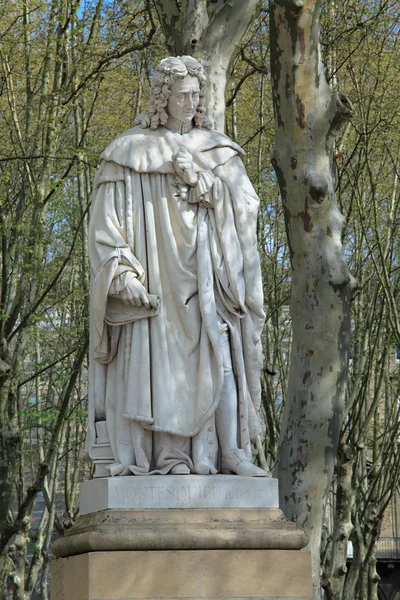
180	469
205	469
237	462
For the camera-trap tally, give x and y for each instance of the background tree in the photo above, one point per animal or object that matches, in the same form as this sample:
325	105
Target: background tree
308	115
364	41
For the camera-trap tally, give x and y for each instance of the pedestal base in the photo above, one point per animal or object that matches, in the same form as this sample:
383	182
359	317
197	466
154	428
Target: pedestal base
186	538
184	575
181	529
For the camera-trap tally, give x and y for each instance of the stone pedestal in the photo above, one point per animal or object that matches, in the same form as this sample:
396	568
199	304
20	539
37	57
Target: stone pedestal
184	575
119	550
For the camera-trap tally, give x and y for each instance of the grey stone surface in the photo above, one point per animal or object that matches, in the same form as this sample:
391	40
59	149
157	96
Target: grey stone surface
181	529
191	491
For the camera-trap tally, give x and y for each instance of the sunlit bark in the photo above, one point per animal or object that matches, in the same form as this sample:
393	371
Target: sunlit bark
308	115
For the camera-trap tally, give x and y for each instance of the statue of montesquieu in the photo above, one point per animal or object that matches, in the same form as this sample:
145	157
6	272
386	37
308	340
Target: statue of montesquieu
176	301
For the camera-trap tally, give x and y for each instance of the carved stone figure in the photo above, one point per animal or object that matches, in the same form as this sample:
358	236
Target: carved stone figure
176	301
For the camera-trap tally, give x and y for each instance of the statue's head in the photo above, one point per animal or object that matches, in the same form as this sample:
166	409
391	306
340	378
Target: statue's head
178	89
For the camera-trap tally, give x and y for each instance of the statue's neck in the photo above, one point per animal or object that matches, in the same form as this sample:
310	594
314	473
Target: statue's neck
177	126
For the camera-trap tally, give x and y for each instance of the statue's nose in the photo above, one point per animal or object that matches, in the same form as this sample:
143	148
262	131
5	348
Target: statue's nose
189	101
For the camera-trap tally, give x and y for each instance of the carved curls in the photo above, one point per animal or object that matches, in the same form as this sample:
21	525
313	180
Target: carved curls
165	74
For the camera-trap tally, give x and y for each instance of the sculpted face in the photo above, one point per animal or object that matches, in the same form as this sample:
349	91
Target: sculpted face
184	100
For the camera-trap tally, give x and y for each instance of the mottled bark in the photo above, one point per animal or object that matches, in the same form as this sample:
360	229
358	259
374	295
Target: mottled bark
211	32
374	579
336	571
18	552
9	453
308	115
6	567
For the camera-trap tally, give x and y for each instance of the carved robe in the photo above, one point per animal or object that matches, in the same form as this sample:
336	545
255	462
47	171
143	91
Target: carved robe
157	378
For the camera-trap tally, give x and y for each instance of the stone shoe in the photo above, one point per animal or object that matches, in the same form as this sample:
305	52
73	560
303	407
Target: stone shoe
204	468
180	469
238	463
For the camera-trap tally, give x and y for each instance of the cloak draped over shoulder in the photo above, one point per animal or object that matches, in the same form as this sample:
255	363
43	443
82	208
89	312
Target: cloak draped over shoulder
196	249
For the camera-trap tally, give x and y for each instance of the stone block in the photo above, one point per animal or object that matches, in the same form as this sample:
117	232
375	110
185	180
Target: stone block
184	575
178	492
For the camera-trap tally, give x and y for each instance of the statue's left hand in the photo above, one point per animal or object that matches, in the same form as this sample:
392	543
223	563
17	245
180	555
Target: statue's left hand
184	167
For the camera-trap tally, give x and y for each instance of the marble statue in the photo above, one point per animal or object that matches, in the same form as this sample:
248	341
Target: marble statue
176	298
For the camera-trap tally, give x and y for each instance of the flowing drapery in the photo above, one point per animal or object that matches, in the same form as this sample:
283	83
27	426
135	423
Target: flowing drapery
157	381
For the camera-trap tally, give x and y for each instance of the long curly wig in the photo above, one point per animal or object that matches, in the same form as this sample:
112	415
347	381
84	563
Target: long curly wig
165	74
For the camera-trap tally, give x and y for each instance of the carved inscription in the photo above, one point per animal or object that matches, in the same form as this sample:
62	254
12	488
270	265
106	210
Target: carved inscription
185	493
160	492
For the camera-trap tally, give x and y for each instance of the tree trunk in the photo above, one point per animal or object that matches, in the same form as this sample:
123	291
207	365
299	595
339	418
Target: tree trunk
9	453
308	115
335	575
211	32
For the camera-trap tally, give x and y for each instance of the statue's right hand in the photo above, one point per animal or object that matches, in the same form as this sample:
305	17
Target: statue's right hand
136	295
